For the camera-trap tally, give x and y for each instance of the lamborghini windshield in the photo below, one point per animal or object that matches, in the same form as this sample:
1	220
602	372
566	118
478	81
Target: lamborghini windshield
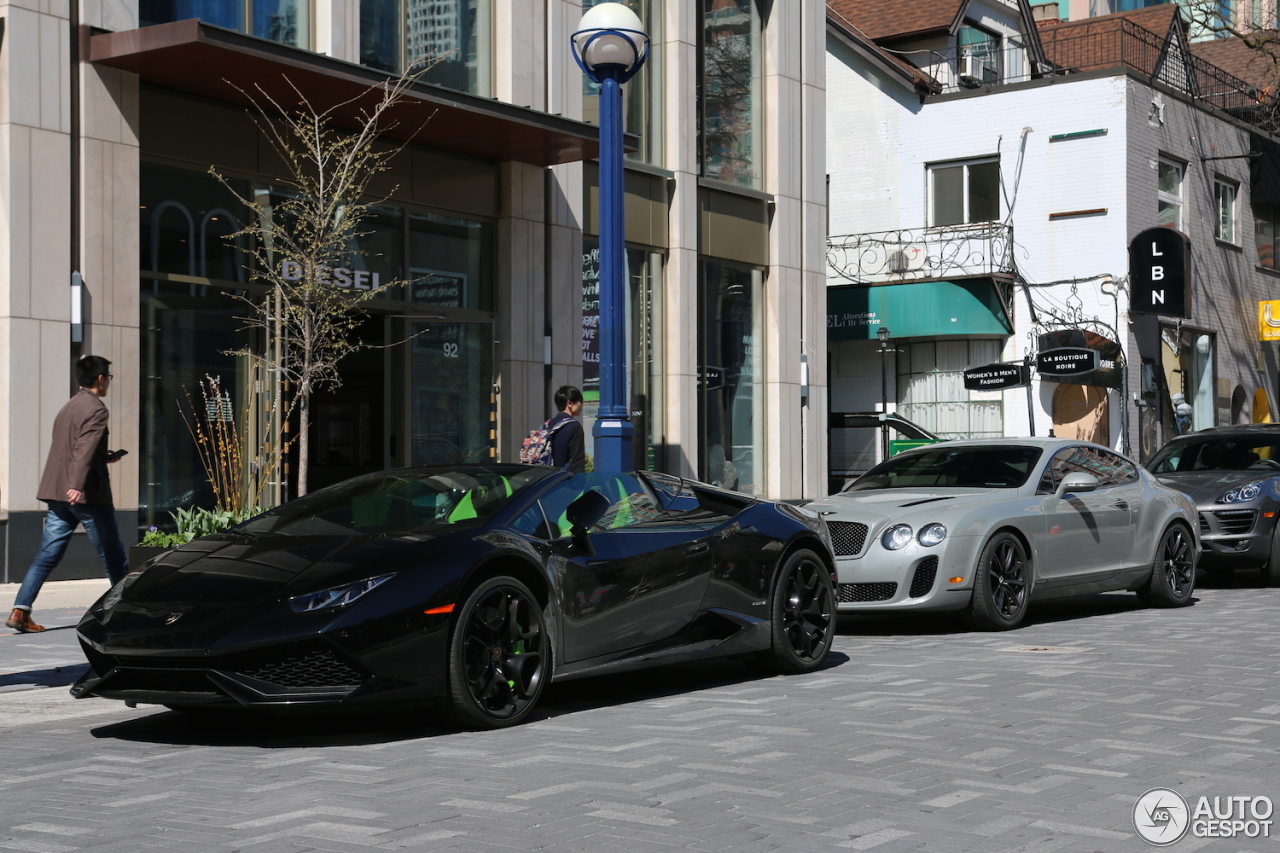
409	499
948	466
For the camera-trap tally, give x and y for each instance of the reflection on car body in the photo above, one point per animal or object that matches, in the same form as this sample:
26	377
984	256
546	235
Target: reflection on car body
988	526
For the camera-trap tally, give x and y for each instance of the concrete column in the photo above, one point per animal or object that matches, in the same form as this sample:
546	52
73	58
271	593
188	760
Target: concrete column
519	278
36	354
794	70
680	299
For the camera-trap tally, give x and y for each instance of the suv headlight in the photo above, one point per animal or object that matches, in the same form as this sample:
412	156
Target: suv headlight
932	534
1247	492
337	596
896	537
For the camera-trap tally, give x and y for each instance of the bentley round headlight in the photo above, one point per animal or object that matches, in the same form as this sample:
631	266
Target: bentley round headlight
896	537
932	534
1247	492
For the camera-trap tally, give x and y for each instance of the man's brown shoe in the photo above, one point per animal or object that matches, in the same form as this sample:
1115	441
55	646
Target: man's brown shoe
20	621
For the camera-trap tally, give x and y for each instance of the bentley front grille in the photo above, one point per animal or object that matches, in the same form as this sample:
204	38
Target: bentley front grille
847	537
922	582
858	592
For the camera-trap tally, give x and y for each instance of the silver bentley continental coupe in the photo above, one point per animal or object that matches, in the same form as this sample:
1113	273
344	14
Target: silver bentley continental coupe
988	526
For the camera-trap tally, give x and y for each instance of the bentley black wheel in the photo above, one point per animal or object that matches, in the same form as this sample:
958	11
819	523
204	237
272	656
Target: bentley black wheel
1000	585
499	655
803	615
1173	571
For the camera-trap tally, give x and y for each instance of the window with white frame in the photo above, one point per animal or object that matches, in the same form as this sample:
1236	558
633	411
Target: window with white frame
1169	205
964	192
931	388
1224	194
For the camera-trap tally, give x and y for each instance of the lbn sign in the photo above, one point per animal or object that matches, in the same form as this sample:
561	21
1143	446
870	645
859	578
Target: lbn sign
1160	273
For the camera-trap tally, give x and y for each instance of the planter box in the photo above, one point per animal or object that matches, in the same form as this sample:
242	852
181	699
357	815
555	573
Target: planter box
139	555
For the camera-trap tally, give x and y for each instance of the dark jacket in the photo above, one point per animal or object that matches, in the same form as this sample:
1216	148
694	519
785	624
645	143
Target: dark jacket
567	449
78	455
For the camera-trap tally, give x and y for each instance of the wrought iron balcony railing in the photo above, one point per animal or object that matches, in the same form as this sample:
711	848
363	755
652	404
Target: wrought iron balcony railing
924	254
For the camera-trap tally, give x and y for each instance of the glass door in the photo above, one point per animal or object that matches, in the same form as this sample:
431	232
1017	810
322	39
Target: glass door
451	405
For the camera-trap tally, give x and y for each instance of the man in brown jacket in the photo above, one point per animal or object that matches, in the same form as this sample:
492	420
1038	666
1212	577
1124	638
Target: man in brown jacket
77	488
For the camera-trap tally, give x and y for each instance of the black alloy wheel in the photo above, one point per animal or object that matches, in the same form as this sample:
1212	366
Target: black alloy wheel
498	656
1173	571
1000	585
803	617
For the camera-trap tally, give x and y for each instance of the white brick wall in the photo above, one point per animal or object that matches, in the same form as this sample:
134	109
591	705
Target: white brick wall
878	183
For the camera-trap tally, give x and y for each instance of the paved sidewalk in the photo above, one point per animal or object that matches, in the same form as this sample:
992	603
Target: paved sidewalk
919	736
57	595
52	658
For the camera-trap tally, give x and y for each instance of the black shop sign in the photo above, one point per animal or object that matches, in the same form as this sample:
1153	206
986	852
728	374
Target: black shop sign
1160	273
995	377
1066	361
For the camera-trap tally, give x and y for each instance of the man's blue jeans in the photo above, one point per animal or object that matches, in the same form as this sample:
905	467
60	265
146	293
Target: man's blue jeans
99	522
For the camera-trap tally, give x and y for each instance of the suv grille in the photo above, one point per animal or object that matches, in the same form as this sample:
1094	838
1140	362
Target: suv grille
924	576
1228	522
848	538
851	592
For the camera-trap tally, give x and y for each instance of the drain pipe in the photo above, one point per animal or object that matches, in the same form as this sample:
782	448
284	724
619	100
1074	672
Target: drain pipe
75	171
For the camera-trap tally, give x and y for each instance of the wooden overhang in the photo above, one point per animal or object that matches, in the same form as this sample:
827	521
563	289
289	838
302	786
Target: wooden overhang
201	59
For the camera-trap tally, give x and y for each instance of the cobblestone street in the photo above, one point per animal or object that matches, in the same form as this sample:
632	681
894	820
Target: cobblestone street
918	736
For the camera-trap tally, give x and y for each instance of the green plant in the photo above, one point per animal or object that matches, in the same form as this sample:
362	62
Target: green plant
199	521
241	471
157	538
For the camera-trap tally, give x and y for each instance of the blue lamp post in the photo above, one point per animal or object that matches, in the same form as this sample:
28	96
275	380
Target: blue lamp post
610	46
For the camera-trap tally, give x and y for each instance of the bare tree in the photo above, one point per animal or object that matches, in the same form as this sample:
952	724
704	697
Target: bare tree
1243	39
304	240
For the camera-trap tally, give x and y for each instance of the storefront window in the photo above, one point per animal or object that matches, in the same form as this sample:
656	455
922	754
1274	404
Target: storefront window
730	115
286	21
731	384
1187	361
449	262
188	332
451	36
642	94
419	390
186	219
644	372
931	388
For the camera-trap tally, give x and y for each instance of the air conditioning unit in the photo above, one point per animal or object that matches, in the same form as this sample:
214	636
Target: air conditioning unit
972	69
906	259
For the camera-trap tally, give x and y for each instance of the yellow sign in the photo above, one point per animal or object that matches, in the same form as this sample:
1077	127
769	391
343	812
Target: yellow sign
1269	320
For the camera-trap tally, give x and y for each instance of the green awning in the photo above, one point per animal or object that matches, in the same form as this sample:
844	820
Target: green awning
922	309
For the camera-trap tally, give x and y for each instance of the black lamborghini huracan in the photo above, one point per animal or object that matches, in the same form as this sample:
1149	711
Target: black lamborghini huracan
472	586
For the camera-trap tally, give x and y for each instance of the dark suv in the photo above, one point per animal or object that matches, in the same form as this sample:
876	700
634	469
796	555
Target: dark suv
1233	475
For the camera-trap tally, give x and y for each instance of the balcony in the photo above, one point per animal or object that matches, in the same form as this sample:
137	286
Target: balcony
961	69
1124	44
1108	44
925	254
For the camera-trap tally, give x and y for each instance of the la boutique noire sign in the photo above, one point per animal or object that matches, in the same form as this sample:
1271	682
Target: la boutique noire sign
1160	273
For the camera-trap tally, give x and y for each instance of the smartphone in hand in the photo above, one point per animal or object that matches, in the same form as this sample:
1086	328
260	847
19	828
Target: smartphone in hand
115	454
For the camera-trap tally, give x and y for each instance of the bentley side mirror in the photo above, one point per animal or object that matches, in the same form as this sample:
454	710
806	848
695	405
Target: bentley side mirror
1077	481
